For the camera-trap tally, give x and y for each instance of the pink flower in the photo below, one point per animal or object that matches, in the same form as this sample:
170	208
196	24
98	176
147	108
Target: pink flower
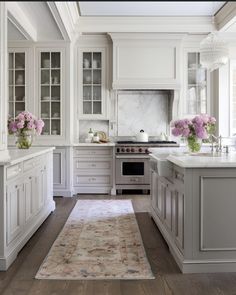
12	127
176	132
20	124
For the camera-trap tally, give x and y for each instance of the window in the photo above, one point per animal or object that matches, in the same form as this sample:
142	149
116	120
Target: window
233	97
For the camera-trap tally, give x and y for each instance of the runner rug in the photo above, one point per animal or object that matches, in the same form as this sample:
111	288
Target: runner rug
100	240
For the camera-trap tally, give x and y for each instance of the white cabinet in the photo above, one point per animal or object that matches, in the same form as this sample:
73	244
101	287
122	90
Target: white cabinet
62	172
93	169
92	83
196	84
51	83
93	77
146	61
18	81
167	206
27	201
15	213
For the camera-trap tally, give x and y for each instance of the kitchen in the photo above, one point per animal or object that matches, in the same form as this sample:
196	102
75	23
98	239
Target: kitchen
107	80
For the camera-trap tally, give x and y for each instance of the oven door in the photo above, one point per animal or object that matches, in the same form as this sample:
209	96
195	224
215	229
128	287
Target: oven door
132	170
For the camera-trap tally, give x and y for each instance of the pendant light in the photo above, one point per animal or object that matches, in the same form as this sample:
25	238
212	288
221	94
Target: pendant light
214	52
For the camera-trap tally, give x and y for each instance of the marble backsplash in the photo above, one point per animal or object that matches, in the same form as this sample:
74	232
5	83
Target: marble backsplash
147	110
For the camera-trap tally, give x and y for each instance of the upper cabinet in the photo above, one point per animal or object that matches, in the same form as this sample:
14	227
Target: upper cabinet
93	78
146	61
18	82
196	85
51	90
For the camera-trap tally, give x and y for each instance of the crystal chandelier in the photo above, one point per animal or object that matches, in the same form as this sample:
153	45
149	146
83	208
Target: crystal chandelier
214	52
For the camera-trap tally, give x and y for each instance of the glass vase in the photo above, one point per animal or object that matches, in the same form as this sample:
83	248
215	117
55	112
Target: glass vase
194	144
24	140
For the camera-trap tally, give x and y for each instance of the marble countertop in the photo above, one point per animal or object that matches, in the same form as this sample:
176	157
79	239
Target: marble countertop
205	159
94	144
16	155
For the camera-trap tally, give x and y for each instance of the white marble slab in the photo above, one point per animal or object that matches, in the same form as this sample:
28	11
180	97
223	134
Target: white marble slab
17	155
147	110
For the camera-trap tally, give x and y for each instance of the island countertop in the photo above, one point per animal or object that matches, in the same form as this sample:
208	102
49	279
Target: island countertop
17	155
204	159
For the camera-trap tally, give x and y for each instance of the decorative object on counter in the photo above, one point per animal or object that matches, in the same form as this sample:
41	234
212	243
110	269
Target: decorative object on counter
100	240
142	136
90	136
194	130
24	127
96	138
214	52
102	137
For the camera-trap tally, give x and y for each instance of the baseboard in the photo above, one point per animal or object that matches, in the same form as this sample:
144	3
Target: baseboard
63	193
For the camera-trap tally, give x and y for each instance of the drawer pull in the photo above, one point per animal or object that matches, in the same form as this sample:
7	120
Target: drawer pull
93	165
16	186
30	177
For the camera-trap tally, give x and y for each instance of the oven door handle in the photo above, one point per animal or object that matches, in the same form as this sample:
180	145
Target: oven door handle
133	157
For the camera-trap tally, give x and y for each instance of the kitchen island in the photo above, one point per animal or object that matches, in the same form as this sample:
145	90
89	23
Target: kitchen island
194	206
26	198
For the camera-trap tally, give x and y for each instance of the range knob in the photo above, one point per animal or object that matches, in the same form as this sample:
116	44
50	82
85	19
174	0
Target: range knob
132	150
123	150
140	150
128	150
118	150
146	151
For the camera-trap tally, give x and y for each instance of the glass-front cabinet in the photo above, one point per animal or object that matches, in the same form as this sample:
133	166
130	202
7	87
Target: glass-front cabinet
196	90
17	82
50	92
92	84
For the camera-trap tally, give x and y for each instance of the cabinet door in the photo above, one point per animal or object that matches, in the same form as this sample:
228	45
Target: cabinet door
197	89
29	197
59	168
17	81
40	185
167	194
179	219
156	193
50	91
92	88
15	210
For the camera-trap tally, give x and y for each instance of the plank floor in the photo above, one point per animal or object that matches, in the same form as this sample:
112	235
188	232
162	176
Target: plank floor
19	279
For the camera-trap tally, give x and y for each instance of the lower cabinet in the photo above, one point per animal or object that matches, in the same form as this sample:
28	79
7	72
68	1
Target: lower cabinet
168	208
28	201
62	172
93	170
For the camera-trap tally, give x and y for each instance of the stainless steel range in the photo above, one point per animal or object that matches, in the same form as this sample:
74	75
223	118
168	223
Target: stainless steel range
132	163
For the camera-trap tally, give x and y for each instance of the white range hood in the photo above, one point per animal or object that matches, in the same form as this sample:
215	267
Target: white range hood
146	61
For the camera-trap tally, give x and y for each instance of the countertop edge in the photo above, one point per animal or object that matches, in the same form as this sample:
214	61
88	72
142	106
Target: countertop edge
33	153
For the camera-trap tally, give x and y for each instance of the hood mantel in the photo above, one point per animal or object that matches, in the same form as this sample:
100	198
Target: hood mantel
146	61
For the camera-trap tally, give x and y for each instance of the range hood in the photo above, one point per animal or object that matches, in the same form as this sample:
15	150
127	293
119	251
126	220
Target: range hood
146	61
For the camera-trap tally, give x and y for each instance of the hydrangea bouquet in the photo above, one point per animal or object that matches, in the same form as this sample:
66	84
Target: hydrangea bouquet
24	127
194	130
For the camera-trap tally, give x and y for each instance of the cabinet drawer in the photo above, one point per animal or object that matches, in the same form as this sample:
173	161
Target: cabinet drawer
31	163
90	180
13	171
79	164
93	152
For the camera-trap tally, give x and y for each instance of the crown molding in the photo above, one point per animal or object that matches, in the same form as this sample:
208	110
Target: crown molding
146	24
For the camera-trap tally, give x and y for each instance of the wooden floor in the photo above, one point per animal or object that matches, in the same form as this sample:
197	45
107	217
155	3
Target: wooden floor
19	279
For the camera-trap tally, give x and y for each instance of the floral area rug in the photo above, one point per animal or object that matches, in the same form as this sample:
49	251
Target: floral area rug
100	240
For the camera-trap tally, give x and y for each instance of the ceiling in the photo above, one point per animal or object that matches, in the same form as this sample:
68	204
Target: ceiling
149	8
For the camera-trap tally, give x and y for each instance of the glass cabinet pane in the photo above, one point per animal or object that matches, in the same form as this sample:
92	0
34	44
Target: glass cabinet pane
87	60
16	81
196	85
51	92
92	83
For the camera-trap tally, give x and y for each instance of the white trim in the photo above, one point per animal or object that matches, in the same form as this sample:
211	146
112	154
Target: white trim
146	24
17	16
